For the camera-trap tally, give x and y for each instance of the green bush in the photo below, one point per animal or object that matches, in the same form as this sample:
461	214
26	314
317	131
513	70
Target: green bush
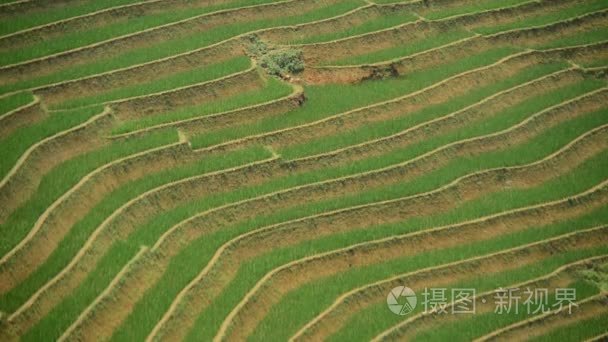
256	47
284	61
276	61
598	276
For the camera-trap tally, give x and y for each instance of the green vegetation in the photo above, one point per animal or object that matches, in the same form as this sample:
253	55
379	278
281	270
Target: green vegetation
586	329
465	328
470	7
326	100
273	90
182	79
121	252
598	276
571	11
320	295
283	62
202	250
163	49
398	123
400	51
585	37
111	30
385	21
294	186
12	102
276	61
35	18
66	175
17	143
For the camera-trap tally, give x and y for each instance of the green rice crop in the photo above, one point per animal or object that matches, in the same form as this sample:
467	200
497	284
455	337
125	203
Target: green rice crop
404	49
586	37
182	79
488	204
19	141
475	325
479	324
576	9
380	129
290	319
473	7
159	296
135	250
55	324
12	102
581	330
326	100
34	18
596	63
111	30
164	48
64	176
382	22
394	170
273	90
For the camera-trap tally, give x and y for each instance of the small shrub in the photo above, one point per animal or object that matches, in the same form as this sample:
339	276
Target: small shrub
256	47
284	61
276	61
598	276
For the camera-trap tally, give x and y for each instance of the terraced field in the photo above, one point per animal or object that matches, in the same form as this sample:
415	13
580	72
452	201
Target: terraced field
270	170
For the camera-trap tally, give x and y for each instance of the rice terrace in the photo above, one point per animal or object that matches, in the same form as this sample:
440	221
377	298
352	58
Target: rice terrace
303	170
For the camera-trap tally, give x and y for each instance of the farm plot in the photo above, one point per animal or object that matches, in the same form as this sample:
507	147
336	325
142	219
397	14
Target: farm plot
271	170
